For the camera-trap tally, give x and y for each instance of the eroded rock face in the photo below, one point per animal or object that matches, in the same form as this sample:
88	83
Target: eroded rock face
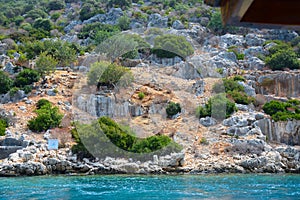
111	17
287	132
280	84
156	20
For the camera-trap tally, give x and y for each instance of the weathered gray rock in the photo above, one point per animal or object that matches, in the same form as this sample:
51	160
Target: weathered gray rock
254	163
280	84
254	63
51	92
156	20
254	51
71	26
254	39
250	91
9	68
208	121
187	70
111	17
198	87
177	25
229	40
238	121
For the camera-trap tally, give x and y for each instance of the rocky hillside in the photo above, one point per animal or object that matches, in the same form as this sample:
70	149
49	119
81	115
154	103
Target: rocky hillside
229	96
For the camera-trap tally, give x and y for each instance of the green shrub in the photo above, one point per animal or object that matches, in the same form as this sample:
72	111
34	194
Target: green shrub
283	59
42	102
55	16
5	82
229	84
141	95
240	97
89	10
204	141
47	117
13	91
56	5
273	107
218	107
119	3
26	77
281	111
239	78
109	74
121	137
124	23
172	109
44	24
169	46
27	89
3	126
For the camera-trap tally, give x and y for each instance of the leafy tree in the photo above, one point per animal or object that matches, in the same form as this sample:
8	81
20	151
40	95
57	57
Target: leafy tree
169	46
5	82
47	117
172	109
45	64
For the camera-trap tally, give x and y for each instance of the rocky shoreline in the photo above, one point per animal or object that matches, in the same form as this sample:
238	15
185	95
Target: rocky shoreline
36	160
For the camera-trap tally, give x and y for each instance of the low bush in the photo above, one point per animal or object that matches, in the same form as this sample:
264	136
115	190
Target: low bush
169	46
26	77
240	97
172	109
218	107
5	82
283	111
141	95
47	117
121	137
109	74
42	102
3	126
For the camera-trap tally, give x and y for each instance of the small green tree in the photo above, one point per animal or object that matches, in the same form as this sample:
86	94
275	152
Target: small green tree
45	64
6	83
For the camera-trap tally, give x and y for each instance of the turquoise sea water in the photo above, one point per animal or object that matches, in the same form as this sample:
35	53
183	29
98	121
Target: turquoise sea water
152	187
